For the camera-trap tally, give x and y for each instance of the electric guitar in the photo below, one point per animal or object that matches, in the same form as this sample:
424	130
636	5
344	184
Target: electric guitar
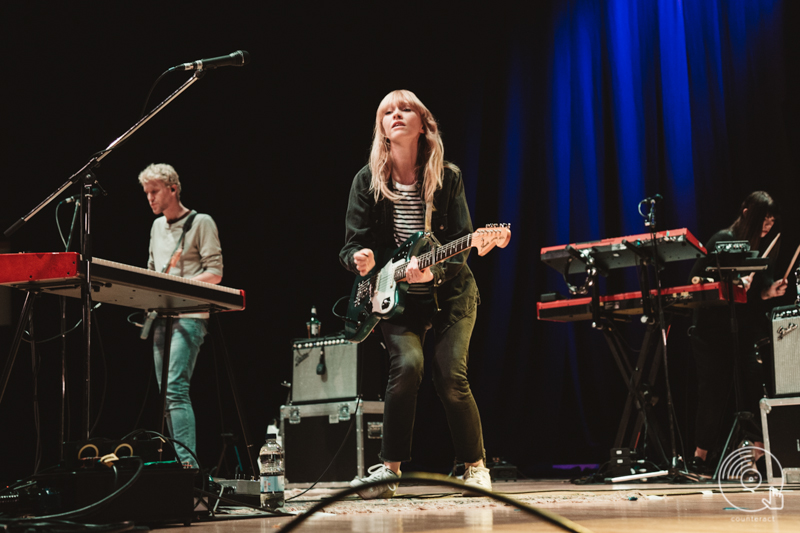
380	294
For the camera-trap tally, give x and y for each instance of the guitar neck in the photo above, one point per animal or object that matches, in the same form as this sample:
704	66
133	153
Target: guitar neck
437	255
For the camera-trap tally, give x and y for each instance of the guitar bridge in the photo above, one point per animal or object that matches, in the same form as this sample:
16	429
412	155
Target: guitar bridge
363	292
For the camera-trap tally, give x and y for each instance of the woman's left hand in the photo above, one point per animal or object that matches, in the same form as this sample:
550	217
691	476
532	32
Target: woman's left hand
415	275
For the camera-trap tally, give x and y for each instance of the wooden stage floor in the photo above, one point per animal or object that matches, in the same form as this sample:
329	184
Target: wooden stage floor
637	506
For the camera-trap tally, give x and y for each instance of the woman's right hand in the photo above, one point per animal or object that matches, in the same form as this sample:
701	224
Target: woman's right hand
365	261
776	289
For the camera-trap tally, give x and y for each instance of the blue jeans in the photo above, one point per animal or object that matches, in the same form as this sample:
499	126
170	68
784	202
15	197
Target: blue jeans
404	340
187	337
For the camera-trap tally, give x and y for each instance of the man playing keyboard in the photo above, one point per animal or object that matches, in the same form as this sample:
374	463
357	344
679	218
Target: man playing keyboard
182	243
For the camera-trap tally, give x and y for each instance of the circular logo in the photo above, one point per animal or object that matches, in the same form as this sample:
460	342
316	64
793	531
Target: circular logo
740	467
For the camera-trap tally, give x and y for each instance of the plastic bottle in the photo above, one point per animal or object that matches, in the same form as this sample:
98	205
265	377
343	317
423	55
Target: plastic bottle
272	484
314	326
273	428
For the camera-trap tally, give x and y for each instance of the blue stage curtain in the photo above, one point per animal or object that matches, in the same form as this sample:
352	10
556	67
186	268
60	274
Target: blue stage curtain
673	97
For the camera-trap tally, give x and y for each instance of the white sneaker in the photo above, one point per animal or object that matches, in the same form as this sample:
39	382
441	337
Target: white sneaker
476	476
377	472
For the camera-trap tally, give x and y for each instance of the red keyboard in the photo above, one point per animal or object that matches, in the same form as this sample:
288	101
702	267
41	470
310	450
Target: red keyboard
620	252
630	303
115	283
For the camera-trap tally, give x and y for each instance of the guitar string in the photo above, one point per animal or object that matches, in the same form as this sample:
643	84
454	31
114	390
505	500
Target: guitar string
444	250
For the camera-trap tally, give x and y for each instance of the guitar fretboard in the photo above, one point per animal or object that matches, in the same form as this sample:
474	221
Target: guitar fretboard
437	255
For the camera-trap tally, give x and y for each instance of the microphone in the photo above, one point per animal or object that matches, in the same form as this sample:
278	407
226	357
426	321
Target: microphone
649	218
77	197
238	58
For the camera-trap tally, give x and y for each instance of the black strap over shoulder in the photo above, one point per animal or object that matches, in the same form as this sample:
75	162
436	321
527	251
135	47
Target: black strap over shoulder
188	225
179	246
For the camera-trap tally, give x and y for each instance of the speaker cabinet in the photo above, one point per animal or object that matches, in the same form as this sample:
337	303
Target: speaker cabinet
331	368
786	351
162	494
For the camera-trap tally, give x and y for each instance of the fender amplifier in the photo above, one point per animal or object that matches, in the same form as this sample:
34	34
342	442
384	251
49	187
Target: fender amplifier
331	368
786	350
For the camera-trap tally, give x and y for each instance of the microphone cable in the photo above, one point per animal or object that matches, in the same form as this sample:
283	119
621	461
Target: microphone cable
147	100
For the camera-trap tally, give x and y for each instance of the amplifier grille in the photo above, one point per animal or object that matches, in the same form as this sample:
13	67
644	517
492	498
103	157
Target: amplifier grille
786	346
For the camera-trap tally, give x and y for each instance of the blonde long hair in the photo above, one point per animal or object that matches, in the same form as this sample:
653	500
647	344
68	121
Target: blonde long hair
430	151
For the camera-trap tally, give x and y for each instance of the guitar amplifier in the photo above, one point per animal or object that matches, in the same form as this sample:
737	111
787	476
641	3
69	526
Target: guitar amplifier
330	368
786	351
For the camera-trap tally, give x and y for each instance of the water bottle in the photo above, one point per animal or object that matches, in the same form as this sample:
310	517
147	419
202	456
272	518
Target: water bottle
271	458
314	326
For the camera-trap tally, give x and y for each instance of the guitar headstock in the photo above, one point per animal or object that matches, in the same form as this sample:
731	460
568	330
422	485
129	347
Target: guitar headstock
486	238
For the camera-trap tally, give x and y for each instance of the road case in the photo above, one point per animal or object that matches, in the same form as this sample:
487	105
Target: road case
313	433
780	421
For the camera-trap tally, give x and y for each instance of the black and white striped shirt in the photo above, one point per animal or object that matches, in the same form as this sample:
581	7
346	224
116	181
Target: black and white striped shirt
409	218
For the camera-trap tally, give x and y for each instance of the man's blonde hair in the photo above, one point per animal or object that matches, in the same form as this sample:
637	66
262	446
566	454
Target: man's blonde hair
430	151
160	172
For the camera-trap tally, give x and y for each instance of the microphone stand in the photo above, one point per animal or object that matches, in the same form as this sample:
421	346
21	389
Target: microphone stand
650	222
727	272
87	178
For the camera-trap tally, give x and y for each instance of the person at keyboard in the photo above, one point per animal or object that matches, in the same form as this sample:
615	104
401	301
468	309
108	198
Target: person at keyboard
711	338
182	243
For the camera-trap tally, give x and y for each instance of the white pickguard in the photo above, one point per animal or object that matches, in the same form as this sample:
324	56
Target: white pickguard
384	299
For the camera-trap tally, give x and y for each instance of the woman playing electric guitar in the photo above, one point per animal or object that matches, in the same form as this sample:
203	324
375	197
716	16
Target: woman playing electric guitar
408	187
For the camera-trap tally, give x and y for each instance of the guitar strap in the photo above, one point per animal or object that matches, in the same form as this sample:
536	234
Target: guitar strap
176	254
428	231
428	216
434	243
151	314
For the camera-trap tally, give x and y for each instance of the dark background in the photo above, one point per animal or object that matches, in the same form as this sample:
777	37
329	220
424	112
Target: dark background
269	151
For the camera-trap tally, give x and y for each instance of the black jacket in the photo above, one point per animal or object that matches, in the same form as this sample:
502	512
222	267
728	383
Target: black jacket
371	225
